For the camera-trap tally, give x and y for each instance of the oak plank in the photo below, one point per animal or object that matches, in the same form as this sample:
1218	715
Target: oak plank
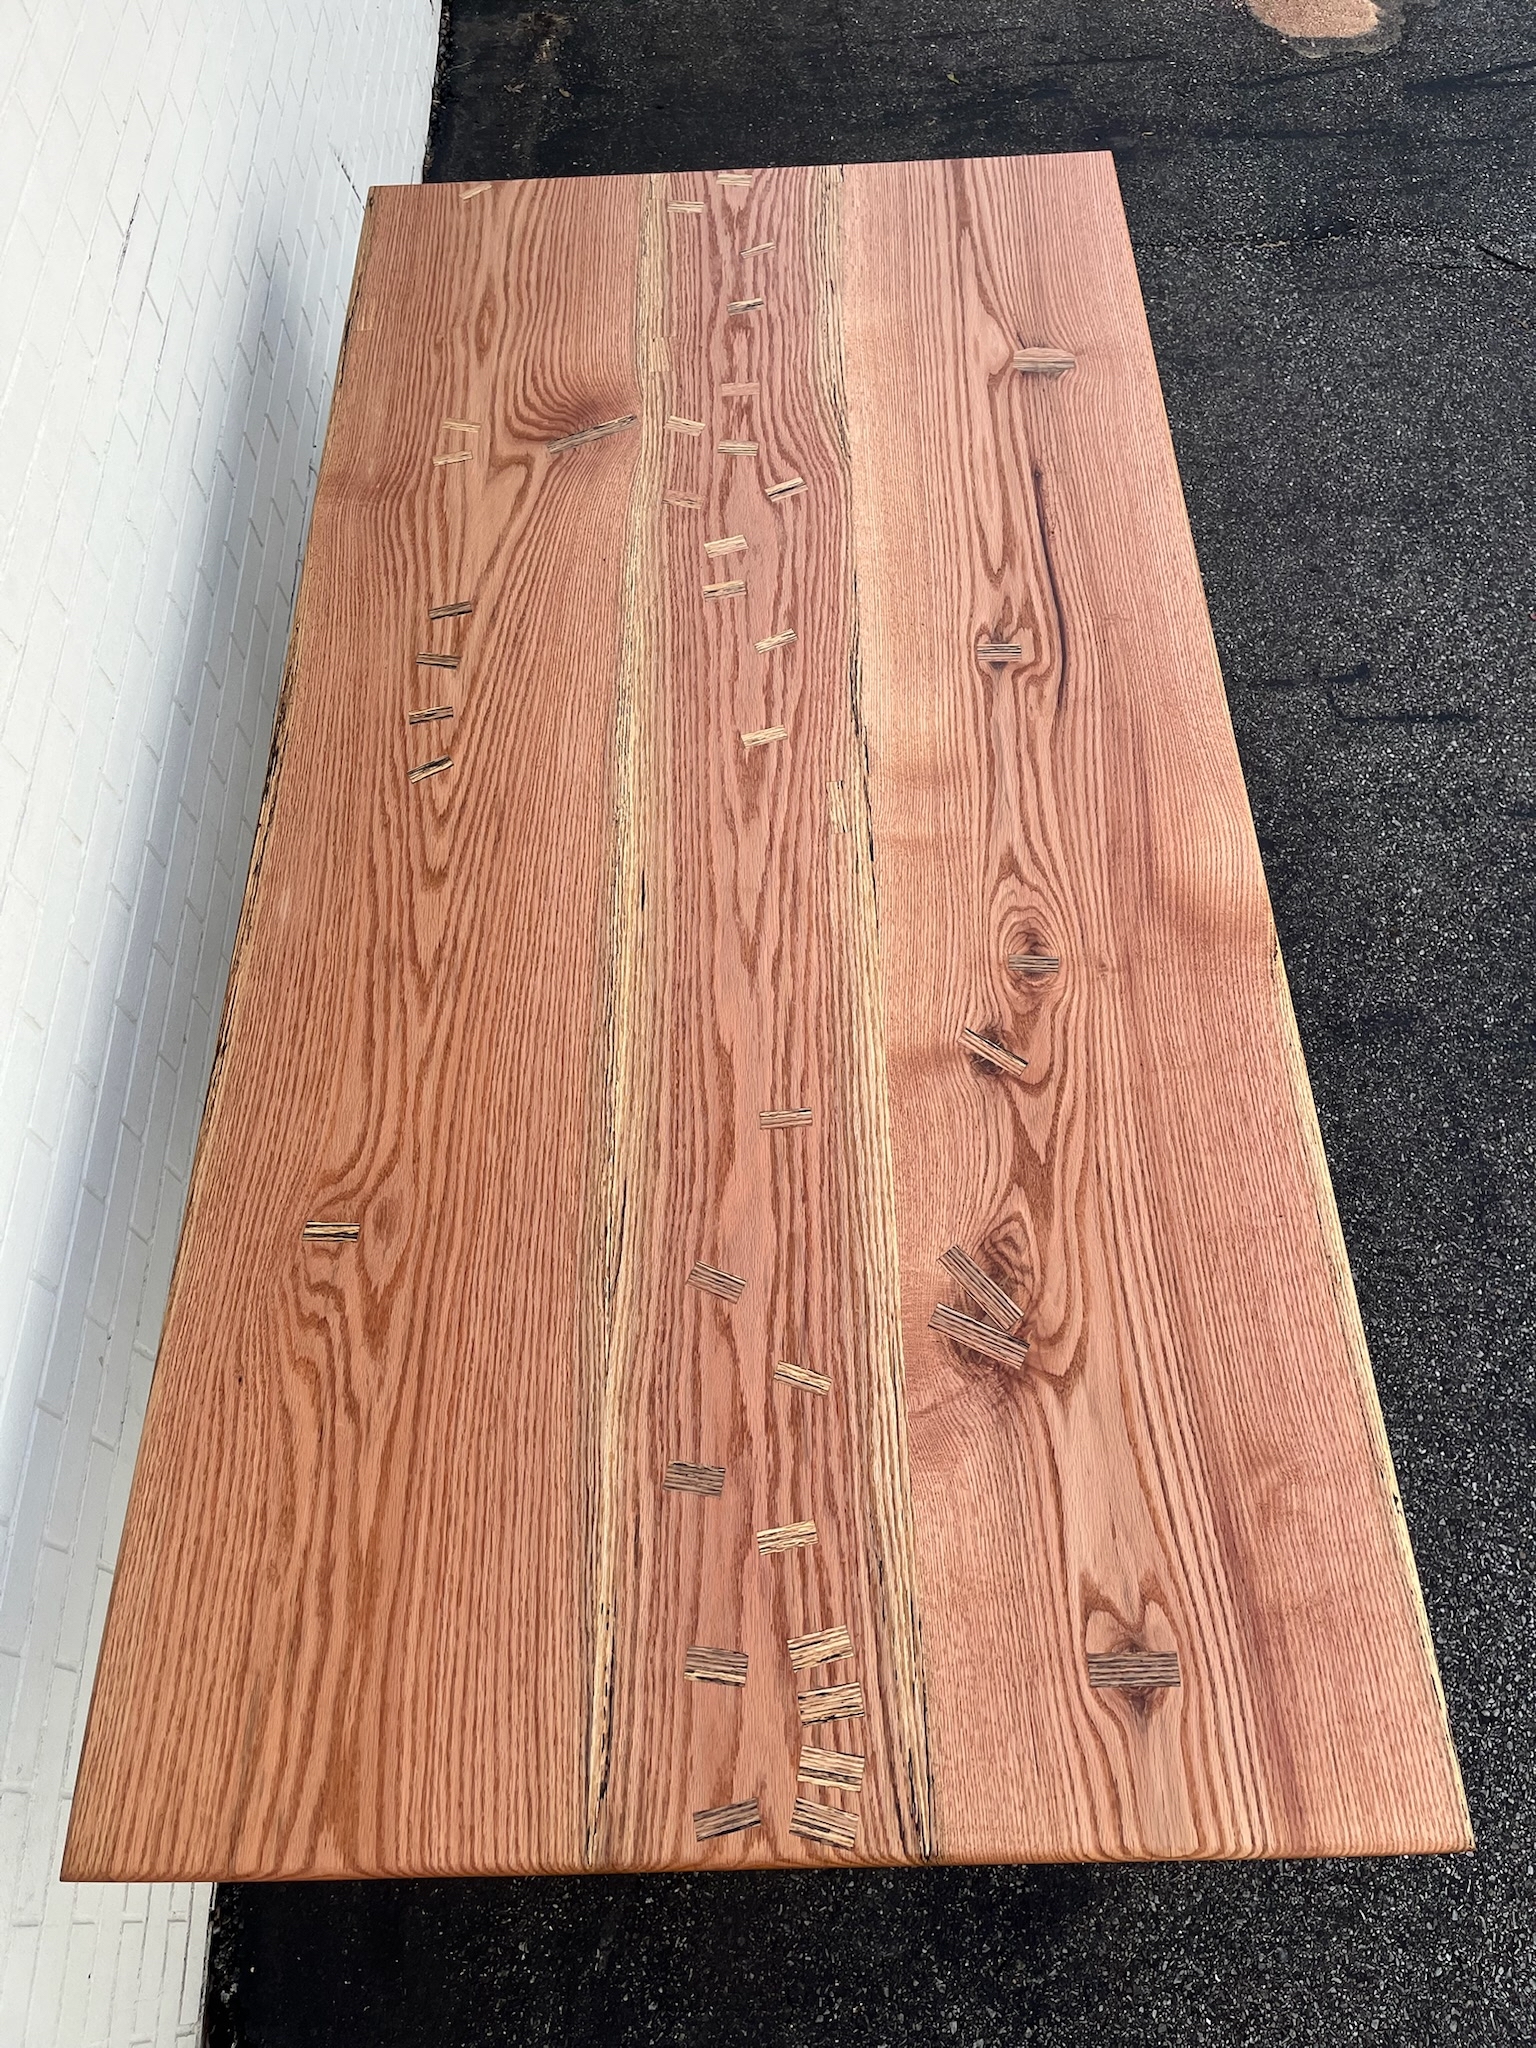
593	1117
1196	1422
351	1626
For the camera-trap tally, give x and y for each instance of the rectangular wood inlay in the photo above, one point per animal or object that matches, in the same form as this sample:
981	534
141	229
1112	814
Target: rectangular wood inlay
783	1119
978	1336
707	1666
830	1767
803	1376
829	1824
999	1307
792	1536
710	1280
715	1821
825	1647
831	1703
994	1054
682	1478
1133	1667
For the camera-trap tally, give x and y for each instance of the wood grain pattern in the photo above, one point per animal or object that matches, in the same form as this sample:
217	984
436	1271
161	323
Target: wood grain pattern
589	1123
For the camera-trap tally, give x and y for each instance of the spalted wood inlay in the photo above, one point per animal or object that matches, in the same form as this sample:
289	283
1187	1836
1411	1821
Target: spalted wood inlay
962	876
681	1477
841	1768
825	1646
708	1666
830	1824
831	1703
715	1821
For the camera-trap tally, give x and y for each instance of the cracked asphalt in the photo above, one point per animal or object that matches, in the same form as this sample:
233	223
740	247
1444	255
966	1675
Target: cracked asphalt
1338	252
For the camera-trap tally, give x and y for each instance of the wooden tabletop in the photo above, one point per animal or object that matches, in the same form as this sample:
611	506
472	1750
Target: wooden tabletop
760	1283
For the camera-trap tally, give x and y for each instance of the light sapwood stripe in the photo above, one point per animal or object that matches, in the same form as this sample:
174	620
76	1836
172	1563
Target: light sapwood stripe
624	1165
430	716
765	737
585	434
803	1377
684	1478
789	1536
994	1054
824	1647
830	1824
980	1337
427	769
706	1665
715	1821
837	806
331	1233
842	1768
783	1119
1044	362
461	610
984	1291
783	639
831	1703
710	1280
1133	1668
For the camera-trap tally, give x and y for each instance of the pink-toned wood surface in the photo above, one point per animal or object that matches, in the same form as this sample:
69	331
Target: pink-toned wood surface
824	1334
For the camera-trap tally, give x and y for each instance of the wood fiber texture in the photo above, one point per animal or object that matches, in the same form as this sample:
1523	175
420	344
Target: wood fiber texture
760	1284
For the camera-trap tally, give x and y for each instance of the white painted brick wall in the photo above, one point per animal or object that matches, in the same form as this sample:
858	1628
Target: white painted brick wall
180	188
